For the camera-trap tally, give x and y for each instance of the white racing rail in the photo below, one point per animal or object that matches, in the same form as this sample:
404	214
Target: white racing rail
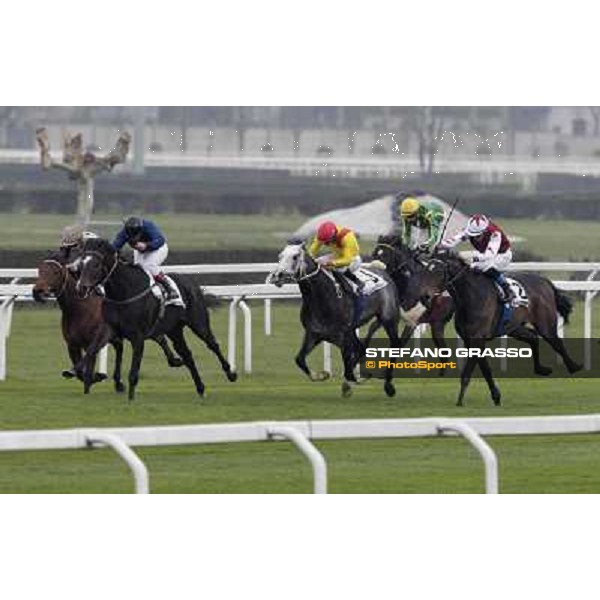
301	434
238	294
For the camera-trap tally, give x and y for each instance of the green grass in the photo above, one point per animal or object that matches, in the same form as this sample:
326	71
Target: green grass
554	240
35	397
184	231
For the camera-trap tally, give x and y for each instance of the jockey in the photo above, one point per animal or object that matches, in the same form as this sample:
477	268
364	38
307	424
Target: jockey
492	251
150	250
427	216
71	244
344	251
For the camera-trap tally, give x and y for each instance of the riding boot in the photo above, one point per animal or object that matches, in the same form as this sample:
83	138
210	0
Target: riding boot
509	294
170	293
360	285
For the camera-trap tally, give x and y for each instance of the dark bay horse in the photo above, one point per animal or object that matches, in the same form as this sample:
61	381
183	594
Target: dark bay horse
400	263
82	318
479	312
328	312
133	311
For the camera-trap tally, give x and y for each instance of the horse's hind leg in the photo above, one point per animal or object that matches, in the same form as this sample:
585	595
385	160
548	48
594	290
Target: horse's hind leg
172	360
437	334
117	344
308	343
550	333
183	350
487	373
524	334
373	327
204	332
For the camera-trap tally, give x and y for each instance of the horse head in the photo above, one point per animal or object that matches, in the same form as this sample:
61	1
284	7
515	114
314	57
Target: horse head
97	262
292	264
52	279
435	274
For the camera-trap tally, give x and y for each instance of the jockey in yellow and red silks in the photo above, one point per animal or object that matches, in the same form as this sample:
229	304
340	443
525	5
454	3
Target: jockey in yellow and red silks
343	250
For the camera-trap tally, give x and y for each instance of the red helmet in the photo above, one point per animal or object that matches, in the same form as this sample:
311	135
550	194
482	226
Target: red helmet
326	232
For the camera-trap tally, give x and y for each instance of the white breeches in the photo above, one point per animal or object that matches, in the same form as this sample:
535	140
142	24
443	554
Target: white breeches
499	262
352	267
151	261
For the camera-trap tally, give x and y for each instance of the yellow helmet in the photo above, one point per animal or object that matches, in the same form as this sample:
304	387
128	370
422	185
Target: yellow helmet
409	207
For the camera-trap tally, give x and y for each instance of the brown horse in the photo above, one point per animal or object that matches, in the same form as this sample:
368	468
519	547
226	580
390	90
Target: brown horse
82	319
480	315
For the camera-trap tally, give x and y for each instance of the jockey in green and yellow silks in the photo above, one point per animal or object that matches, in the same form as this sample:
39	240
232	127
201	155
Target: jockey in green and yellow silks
428	216
343	250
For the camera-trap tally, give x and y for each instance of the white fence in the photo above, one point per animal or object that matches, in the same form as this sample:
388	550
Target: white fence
300	433
382	166
237	294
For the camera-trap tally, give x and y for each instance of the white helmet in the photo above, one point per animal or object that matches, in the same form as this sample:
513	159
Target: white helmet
477	225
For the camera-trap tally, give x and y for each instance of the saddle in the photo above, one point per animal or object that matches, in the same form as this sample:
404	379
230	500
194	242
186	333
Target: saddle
168	292
519	291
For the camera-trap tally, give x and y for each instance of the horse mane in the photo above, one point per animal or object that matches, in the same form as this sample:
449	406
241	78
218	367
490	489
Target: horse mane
55	255
99	245
390	240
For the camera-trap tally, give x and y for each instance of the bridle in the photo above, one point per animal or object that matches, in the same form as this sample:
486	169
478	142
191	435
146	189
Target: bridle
395	251
101	257
64	273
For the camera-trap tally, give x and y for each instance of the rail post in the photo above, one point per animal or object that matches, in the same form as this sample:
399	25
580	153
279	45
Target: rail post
133	461
490	462
316	459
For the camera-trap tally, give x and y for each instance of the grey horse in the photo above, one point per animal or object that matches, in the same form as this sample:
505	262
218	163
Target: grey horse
330	313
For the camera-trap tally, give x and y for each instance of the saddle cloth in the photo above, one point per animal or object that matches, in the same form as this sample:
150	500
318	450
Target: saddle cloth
518	290
373	282
159	292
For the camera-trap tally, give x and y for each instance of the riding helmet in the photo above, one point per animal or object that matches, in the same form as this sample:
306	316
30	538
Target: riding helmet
326	232
133	226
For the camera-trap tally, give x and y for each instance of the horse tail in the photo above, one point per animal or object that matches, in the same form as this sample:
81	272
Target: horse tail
564	304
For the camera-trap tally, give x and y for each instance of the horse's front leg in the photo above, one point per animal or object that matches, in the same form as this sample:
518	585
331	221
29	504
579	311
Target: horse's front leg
137	346
172	360
308	343
484	365
88	362
117	344
465	378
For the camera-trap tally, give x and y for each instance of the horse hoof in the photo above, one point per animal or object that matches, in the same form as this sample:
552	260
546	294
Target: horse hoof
201	393
459	403
496	397
232	376
119	387
346	390
320	376
544	371
176	362
574	368
390	389
98	377
69	374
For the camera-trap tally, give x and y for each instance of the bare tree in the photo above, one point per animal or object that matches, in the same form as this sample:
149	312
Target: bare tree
427	123
82	166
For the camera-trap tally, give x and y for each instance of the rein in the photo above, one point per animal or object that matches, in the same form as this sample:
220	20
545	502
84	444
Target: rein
135	298
305	276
